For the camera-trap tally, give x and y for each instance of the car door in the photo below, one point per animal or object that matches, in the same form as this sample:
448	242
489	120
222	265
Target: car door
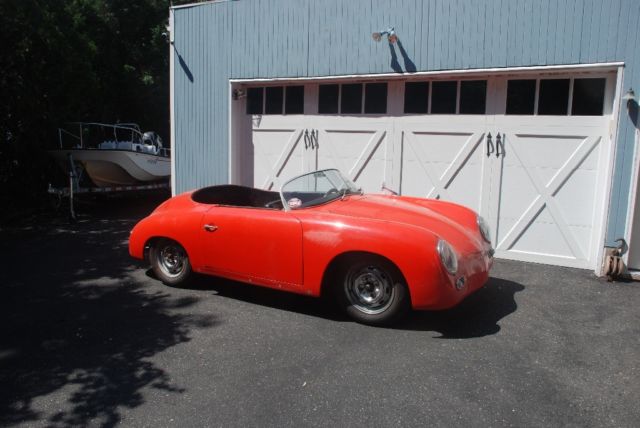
253	244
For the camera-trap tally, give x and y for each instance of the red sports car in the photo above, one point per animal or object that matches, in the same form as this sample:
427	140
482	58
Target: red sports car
375	255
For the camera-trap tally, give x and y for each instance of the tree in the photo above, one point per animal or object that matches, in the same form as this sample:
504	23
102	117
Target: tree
75	60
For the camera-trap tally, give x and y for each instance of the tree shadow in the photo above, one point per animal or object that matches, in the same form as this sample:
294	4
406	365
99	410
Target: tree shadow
478	315
75	320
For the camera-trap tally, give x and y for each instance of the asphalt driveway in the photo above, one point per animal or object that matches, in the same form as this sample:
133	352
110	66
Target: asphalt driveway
89	338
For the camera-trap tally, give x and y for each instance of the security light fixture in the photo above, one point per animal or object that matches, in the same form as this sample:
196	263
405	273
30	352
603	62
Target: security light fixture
238	93
630	95
392	37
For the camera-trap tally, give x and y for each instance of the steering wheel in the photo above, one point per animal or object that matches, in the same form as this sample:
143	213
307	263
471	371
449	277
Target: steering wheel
331	192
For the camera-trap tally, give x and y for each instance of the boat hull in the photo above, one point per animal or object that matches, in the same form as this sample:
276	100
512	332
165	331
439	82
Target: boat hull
108	168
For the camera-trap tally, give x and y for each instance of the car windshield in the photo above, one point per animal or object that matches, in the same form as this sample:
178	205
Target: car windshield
316	188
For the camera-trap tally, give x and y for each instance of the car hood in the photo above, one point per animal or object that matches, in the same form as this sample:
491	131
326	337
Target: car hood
404	211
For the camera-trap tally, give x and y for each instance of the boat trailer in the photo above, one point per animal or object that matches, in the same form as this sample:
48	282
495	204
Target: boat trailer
75	188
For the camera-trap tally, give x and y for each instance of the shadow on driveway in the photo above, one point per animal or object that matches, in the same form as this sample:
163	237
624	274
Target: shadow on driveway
478	315
80	323
75	320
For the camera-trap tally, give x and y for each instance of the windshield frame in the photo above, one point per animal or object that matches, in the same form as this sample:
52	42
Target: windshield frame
347	187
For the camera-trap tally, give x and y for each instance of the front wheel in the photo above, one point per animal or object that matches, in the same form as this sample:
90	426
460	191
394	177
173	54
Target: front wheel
170	263
372	292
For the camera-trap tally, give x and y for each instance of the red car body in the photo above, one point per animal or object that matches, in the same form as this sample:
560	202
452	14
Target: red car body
292	250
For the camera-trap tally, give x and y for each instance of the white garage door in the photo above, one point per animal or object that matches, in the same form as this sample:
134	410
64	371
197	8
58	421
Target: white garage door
530	153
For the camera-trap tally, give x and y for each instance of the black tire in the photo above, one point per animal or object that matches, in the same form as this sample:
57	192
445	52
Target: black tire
371	291
170	263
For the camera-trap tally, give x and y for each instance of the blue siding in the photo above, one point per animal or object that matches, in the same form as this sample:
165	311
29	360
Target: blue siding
302	38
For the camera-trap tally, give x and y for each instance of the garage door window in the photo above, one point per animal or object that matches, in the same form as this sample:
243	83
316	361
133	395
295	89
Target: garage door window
552	97
351	98
375	98
294	100
473	96
416	97
588	97
443	97
255	100
328	97
275	100
521	96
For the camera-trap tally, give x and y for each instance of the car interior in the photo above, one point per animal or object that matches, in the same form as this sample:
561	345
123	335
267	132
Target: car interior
238	196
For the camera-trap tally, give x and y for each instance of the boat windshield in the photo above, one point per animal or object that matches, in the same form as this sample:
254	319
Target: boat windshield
316	188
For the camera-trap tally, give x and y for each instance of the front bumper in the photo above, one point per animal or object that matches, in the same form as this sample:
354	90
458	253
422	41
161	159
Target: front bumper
449	290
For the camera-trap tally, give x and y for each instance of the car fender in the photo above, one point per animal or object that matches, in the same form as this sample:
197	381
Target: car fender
177	219
411	249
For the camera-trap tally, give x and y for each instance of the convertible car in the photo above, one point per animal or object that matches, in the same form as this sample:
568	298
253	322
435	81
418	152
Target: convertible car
375	255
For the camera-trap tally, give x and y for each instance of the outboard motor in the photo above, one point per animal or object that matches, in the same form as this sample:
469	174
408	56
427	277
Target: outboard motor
151	139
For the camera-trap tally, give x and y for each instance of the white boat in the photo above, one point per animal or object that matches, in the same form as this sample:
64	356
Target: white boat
113	155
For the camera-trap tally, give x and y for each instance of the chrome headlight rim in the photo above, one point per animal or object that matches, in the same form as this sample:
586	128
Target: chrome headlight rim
448	256
485	231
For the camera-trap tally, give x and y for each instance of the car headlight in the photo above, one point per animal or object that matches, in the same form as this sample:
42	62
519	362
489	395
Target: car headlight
484	229
448	256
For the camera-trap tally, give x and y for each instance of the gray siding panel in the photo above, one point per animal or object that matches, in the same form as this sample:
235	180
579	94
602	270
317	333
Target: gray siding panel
302	38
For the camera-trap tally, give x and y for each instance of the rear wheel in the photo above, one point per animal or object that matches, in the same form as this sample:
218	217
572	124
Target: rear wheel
170	262
371	291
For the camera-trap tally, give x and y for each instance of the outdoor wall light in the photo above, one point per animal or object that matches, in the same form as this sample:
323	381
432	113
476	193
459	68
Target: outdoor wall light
392	37
238	93
630	95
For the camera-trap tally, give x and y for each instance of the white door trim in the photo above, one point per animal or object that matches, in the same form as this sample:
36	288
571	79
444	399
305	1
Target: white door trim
444	73
613	135
172	100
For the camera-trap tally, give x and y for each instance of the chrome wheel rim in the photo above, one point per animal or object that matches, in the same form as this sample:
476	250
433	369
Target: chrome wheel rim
172	259
370	290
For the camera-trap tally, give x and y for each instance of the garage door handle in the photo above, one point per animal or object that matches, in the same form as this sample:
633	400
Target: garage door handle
500	144
489	145
210	227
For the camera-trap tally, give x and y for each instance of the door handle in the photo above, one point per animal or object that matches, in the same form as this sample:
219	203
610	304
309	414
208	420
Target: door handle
210	227
489	145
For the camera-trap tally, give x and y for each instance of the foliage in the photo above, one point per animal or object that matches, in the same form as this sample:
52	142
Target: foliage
74	60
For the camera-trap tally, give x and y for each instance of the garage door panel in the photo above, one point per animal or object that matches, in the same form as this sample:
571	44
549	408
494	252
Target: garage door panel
360	154
575	198
371	178
545	154
279	155
562	182
519	193
437	148
343	145
443	165
539	238
465	188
